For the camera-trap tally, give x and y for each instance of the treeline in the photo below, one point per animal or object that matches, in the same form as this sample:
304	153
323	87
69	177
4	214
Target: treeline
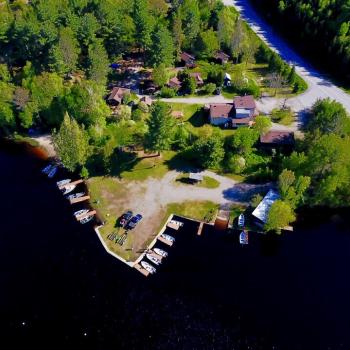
319	28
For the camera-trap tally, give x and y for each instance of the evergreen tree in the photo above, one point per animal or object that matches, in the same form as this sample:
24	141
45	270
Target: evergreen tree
143	24
98	62
162	47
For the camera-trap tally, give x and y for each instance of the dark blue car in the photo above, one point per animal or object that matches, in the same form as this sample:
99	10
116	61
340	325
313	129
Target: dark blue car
134	221
125	218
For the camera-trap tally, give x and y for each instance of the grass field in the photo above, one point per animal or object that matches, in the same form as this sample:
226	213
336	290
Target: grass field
208	182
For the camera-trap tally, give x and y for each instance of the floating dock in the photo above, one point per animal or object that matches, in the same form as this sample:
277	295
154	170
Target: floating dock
165	241
79	199
200	228
87	215
74	183
139	268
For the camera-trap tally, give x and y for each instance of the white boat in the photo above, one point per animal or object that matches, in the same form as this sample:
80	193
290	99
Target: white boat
177	223
63	182
86	220
153	259
75	195
68	189
80	212
168	238
241	220
52	172
161	252
47	169
243	237
148	267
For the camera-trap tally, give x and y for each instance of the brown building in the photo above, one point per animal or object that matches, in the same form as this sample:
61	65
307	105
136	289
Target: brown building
174	83
222	57
116	96
198	78
188	60
147	100
277	139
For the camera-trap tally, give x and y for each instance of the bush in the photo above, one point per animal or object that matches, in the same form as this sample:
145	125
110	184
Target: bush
137	115
283	116
251	89
143	107
209	88
167	92
300	85
236	164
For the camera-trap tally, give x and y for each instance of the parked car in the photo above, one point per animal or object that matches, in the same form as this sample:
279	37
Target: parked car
125	218
134	221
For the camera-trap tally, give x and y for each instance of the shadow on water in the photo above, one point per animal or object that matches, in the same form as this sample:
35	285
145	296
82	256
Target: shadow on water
61	289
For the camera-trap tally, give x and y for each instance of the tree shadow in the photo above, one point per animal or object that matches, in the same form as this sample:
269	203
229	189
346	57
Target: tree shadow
198	119
181	162
122	161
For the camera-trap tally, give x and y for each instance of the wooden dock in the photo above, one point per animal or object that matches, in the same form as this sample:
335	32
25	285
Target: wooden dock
79	199
175	225
165	241
139	268
74	183
155	255
90	213
200	228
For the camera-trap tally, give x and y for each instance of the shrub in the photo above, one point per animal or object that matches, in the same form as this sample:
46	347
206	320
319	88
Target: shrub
143	107
167	92
283	116
209	88
236	164
137	115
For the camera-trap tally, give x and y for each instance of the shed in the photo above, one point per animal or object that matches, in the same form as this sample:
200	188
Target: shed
196	177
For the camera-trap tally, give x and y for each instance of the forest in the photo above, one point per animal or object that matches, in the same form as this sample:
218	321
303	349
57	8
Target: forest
323	30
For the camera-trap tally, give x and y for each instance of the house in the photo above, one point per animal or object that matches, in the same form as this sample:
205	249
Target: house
261	212
147	100
116	96
239	113
174	83
222	57
227	79
177	114
283	140
188	60
198	78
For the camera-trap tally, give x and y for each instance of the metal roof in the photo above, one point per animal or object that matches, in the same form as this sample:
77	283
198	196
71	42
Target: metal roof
196	176
262	210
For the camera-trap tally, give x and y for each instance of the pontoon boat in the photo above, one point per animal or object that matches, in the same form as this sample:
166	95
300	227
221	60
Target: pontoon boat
148	267
161	252
153	259
168	238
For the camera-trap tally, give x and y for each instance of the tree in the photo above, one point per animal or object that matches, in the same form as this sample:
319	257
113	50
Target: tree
64	56
160	75
276	81
292	77
98	62
285	181
226	26
262	124
280	216
236	164
7	117
87	28
329	117
243	140
4	73
190	16
160	128
249	49
209	151
143	24
207	43
178	35
20	98
162	47
71	144
238	39
189	84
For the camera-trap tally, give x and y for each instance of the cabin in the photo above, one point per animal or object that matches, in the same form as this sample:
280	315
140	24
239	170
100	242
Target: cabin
261	212
174	83
277	140
239	113
116	96
188	60
222	57
198	78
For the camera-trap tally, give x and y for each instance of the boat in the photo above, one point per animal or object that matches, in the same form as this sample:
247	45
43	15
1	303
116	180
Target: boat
75	195
241	220
47	169
63	182
243	237
148	267
168	238
86	220
68	189
177	223
153	259
161	252
80	212
52	172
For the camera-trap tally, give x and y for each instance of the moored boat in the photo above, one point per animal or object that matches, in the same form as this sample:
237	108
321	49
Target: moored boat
243	237
75	195
161	252
68	189
63	182
87	219
153	259
52	172
80	212
168	237
241	220
148	267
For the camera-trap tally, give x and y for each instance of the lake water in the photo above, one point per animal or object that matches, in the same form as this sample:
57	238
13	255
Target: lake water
60	288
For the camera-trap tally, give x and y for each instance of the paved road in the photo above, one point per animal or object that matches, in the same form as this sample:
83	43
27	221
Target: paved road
319	86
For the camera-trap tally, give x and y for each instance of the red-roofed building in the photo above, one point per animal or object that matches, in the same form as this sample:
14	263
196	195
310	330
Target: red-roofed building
188	60
278	139
174	83
198	78
116	96
222	57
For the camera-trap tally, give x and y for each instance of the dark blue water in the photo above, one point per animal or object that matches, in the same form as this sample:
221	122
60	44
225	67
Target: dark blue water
59	288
